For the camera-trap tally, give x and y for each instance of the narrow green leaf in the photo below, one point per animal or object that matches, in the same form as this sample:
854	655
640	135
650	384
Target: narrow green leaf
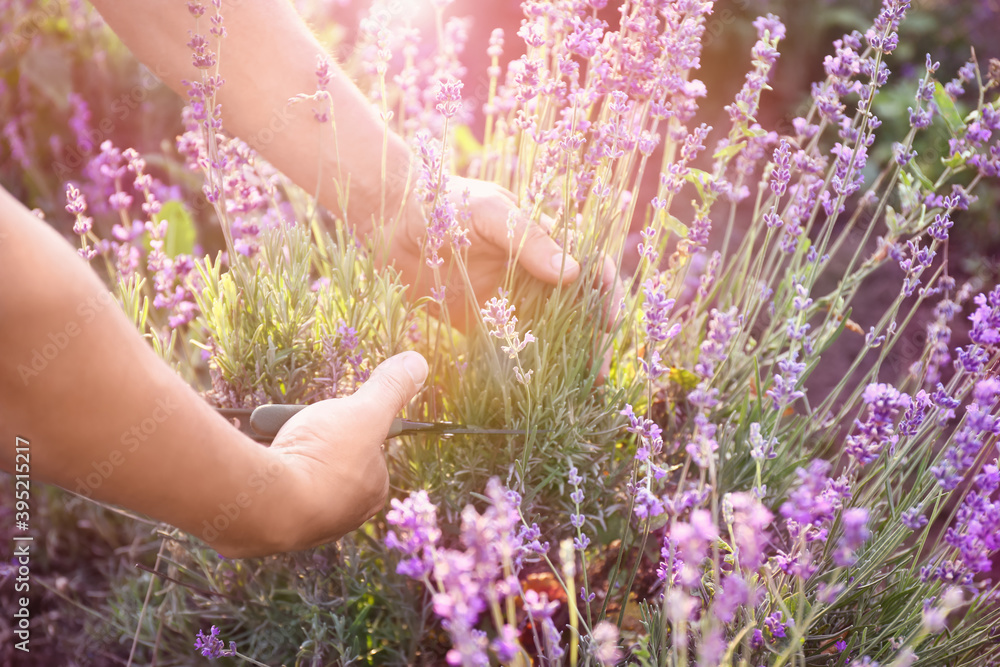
729	151
919	173
946	105
698	179
676	226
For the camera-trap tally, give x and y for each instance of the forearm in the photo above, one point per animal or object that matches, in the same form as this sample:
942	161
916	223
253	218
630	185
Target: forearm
267	57
103	414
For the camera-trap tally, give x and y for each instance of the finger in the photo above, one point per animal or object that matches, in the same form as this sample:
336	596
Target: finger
540	255
510	196
537	252
391	386
614	291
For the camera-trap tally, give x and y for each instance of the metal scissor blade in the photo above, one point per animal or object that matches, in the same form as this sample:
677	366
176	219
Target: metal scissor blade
407	427
264	422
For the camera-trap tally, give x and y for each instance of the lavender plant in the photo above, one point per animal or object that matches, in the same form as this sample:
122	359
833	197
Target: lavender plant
687	501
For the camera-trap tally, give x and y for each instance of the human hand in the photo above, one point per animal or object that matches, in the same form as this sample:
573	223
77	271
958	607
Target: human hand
332	453
491	248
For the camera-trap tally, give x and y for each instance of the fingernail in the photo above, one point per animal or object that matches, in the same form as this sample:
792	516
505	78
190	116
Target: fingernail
416	366
557	263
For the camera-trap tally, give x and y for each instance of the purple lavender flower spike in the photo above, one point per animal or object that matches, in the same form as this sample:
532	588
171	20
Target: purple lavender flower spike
416	533
775	626
722	327
856	533
885	403
913	519
211	646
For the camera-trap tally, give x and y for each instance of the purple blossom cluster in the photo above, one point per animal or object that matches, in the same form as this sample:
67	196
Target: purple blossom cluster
576	519
749	521
809	512
471	581
344	362
76	204
501	323
883	36
173	276
657	309
428	76
702	445
970	440
690	541
785	388
761	449
649	445
937	349
639	75
211	646
975	532
770	31
722	328
986	320
686	559
884	404
444	220
856	533
415	535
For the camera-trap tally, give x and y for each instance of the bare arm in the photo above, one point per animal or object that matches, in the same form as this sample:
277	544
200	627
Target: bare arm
268	56
106	417
104	398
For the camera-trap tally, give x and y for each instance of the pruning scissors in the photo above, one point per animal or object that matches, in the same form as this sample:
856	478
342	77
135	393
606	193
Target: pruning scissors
263	423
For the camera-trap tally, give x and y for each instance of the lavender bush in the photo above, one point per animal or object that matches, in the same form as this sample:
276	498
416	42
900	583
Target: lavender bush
680	496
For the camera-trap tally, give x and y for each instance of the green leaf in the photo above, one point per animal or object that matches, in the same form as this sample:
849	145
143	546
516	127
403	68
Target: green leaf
946	106
181	233
927	183
754	132
676	226
891	219
698	179
730	150
683	378
956	160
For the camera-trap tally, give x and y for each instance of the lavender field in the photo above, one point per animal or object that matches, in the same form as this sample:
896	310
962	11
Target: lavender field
756	393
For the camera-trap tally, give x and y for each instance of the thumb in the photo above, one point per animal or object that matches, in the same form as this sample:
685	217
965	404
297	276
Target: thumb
391	386
543	258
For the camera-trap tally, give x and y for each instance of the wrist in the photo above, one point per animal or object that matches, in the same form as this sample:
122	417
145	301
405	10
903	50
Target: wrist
255	521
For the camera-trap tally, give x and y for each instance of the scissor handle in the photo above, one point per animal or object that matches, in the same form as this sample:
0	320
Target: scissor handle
267	420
